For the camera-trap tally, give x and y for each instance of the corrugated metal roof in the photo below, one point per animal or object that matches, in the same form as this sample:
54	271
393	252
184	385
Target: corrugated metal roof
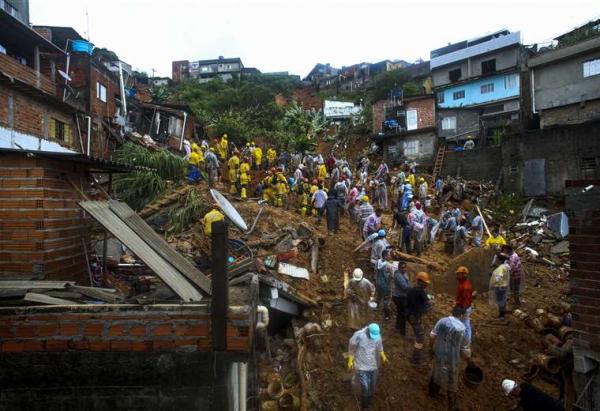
101	211
481	48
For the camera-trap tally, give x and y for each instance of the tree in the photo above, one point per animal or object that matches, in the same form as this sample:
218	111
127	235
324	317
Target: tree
388	81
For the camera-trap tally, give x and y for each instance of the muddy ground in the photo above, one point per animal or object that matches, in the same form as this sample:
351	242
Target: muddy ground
502	350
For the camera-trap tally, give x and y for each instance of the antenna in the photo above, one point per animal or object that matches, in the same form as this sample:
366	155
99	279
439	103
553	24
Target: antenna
87	23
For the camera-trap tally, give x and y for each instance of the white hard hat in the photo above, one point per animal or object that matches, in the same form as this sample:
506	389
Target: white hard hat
357	274
508	386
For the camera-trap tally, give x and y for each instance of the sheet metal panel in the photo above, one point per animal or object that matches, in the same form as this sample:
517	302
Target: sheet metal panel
158	244
109	220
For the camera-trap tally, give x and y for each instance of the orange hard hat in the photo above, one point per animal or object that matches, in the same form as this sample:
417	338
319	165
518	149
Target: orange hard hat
462	269
424	277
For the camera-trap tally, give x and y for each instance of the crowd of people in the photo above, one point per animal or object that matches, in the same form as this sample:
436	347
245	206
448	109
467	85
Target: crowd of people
332	187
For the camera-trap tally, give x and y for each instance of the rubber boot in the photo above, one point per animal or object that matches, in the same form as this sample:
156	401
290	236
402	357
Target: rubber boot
433	388
452	401
303	211
244	193
233	190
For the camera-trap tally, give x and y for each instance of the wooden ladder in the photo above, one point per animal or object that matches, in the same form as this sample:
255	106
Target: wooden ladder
439	160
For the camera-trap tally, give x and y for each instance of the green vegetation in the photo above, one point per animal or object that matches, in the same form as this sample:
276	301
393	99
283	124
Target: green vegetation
180	218
159	94
139	188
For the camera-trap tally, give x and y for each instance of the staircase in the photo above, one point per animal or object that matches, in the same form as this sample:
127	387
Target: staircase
439	160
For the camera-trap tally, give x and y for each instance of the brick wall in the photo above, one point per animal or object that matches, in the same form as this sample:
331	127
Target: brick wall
127	328
28	115
41	225
378	116
180	70
425	111
26	74
571	114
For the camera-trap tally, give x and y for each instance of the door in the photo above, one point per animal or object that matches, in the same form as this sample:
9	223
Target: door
534	177
411	120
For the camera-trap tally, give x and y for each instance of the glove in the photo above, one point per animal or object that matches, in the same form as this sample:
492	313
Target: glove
350	362
384	359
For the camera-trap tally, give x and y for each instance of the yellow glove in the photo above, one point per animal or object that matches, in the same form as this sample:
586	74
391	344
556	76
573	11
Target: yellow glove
384	359
350	362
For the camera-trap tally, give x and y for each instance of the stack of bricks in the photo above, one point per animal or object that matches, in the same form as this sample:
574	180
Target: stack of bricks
584	246
42	228
170	328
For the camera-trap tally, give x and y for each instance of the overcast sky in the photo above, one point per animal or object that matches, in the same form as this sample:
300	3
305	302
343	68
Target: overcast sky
293	35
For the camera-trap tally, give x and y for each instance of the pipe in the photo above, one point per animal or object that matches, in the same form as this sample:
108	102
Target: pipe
235	385
263	321
67	72
260	210
89	134
243	366
532	88
122	84
182	131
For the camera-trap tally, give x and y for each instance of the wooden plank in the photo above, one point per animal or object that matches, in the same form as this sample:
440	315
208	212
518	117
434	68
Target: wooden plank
158	244
161	267
27	285
98	293
46	299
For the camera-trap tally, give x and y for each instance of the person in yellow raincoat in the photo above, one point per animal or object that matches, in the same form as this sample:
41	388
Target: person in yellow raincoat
282	188
322	172
209	218
271	156
234	165
269	187
244	177
313	189
258	155
223	147
411	179
303	190
194	162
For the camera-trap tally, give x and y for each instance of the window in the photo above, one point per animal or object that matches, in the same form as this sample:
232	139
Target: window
487	88
449	123
59	130
457	95
591	68
411	120
488	67
175	126
440	97
411	148
511	81
454	75
101	92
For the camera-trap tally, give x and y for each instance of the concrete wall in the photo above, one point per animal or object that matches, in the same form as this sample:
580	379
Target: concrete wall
467	123
394	153
562	83
484	164
569	153
571	114
505	59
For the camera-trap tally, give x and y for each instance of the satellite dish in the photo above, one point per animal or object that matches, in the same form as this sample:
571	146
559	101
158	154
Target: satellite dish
64	75
229	210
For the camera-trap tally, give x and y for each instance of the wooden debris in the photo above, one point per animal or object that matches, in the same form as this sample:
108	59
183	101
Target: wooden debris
27	285
314	257
103	294
415	259
45	299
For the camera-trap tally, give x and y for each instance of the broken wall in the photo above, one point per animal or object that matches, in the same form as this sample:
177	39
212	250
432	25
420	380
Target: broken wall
483	164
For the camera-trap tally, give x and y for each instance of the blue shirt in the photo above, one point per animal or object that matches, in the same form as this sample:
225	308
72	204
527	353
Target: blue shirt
319	197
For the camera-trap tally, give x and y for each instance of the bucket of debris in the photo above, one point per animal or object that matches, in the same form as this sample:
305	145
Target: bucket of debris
473	376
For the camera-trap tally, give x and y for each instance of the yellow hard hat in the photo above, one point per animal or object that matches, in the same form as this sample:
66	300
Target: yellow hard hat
195	147
421	179
224	135
212	149
365	199
424	277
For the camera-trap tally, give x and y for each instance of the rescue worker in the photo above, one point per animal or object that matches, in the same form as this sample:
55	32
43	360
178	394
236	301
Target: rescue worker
365	350
233	164
499	284
269	187
411	179
460	236
379	246
333	208
423	190
212	166
271	157
407	195
384	274
372	223
477	228
400	297
530	397
223	147
209	218
464	298
194	161
364	211
516	273
496	240
448	344
322	174
281	188
359	292
418	304
303	193
258	155
244	177
418	223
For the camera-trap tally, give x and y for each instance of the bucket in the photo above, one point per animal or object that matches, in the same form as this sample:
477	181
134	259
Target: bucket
82	46
473	376
533	372
289	401
275	389
547	362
